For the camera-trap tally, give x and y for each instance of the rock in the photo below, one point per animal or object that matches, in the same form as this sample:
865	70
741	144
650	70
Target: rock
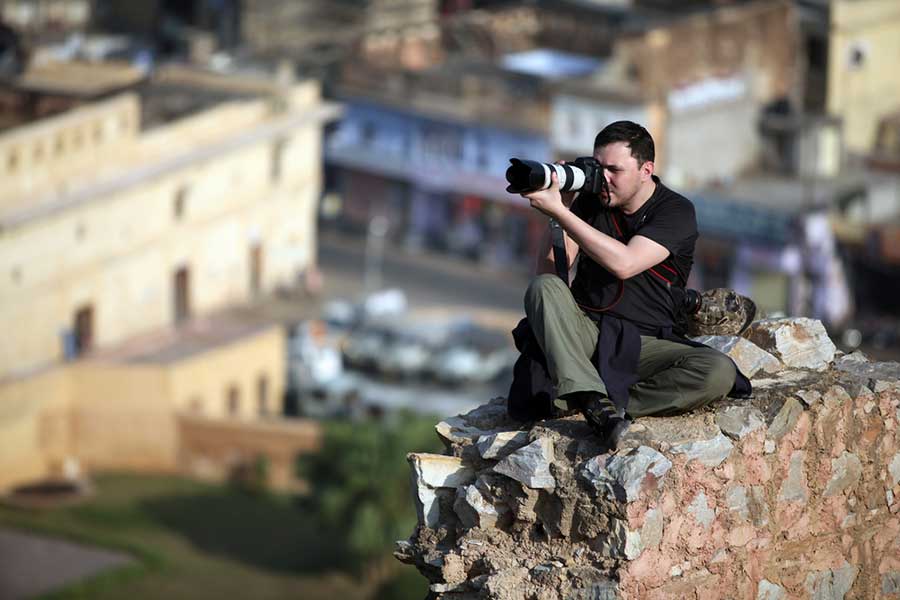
651	532
799	343
832	584
845	472
595	473
632	544
890	583
429	472
858	365
738	421
894	470
701	510
631	470
456	431
785	419
473	509
793	489
438	470
501	444
770	591
747	356
709	452
736	497
530	465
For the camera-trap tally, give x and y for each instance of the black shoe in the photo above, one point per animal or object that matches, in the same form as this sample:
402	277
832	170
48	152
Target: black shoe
603	418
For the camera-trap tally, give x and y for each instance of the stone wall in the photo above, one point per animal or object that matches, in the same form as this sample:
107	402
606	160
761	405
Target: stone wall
794	493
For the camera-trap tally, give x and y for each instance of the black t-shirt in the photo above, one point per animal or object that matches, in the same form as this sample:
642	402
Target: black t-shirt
648	299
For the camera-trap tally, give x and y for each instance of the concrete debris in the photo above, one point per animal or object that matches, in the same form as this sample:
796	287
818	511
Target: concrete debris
738	421
747	356
799	343
530	465
710	452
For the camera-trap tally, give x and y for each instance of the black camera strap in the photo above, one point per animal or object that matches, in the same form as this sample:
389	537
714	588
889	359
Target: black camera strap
560	259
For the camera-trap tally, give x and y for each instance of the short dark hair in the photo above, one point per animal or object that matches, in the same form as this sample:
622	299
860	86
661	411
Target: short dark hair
637	138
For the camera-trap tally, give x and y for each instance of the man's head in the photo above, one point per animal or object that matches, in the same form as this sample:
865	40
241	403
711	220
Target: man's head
626	152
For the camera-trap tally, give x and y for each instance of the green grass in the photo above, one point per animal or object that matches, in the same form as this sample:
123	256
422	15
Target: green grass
196	540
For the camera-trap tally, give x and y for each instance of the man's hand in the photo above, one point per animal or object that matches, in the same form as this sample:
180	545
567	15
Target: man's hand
551	201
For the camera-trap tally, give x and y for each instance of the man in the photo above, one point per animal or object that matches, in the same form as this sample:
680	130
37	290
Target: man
610	341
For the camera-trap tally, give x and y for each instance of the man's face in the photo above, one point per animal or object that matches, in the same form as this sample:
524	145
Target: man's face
622	172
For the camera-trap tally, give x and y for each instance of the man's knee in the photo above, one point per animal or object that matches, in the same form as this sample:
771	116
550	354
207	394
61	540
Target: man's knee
542	287
720	373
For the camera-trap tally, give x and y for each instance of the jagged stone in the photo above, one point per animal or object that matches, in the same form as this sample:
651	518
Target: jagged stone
473	509
438	470
432	471
785	420
736	498
793	489
832	584
701	511
456	431
631	470
894	469
858	365
845	472
498	445
890	583
709	452
747	356
770	591
799	343
738	421
530	465
809	397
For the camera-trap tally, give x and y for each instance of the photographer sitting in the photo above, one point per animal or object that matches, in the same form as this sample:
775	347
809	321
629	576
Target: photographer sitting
610	345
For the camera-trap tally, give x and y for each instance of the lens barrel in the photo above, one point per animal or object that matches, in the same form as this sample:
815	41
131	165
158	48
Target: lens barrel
529	175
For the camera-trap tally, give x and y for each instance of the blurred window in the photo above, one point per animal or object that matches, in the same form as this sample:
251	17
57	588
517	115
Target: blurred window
262	395
277	159
233	400
195	405
180	203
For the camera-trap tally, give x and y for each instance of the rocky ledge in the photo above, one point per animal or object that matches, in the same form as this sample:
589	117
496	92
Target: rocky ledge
793	493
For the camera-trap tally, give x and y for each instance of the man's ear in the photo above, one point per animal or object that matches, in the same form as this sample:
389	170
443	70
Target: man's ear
647	170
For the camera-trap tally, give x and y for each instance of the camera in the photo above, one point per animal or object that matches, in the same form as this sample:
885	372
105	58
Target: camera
584	173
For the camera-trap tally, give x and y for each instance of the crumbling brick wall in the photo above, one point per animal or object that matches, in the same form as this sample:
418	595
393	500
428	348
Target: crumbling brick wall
794	493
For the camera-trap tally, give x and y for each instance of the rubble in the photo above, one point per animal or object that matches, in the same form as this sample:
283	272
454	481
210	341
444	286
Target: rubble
790	493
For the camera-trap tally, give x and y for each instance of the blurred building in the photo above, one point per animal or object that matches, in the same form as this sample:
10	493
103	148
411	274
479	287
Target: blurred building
128	227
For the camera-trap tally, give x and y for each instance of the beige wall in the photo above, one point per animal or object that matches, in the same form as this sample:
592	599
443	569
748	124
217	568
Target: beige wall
109	415
117	249
200	384
863	94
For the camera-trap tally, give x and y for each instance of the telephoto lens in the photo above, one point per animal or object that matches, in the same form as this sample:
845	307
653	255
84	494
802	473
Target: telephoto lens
530	175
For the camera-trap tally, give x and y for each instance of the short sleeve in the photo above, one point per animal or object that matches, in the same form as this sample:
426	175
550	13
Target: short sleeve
673	225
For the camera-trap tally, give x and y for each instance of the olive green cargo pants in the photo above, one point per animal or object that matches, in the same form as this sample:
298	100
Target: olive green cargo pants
673	378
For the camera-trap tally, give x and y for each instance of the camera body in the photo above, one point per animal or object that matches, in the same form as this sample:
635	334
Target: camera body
584	173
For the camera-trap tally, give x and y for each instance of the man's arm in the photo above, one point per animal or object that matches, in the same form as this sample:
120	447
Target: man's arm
545	263
623	261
